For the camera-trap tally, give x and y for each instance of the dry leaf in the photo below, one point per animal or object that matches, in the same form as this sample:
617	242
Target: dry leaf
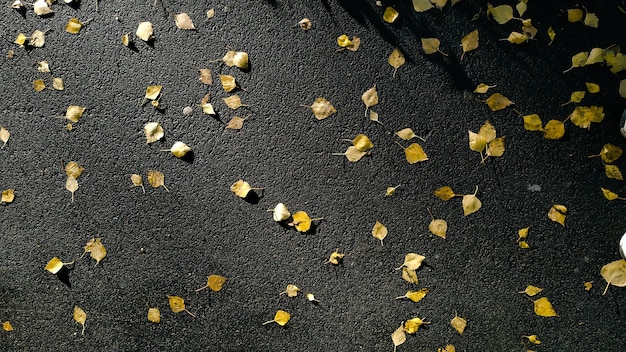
406	134
144	31
532	290
517	38
592	87
458	324
214	282
154	315
483	88
305	24
591	20
37	39
207	108
614	273
291	291
344	41
137	181
502	14
498	101
412	261
55	265
311	298
8	195
39	85
352	154
551	34
471	203
422	5
205	76
612	171
153	92
379	231
533	339
183	21
41	8
96	249
431	46
322	108
444	193
233	102
280	212
496	147
241	188
228	82
6	326
588	285
583	116
210	13
438	227
414	153
370	98
415	296
74	113
301	221
281	318
543	308
448	348
390	15
236	123
557	214
574	15
398	337
42	66
533	122
177	305
336	257
179	149
409	275
80	317
153	131
57	83
579	60
156	179
4	136
241	60
469	42
73	26
126	40
554	129
396	59
390	191
71	185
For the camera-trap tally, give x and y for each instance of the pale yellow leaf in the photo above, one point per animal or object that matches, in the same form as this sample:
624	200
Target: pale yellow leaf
80	317
558	213
379	231
183	21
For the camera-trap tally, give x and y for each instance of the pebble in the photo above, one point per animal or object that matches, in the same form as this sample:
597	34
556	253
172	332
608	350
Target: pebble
187	110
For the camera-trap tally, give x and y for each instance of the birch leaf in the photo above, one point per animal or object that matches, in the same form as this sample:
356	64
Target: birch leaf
144	31
8	195
344	41
614	273
156	179
430	45
551	34
498	101
532	290
533	122
39	85
613	171
41	8
137	181
57	83
241	60
74	113
55	265
471	203
153	92
422	5
517	38
557	214
73	26
207	108
301	221
6	326
502	14
153	131
409	275
438	227
469	42
281	318
390	191
458	324
543	308
379	231
591	20
154	315
291	291
390	15
37	39
80	317
415	296
412	261
396	59
608	194
241	188
444	193
554	129
322	108
71	185
336	257
43	66
415	153
579	60
205	76
406	134
228	82
233	102
398	337
280	212
496	147
96	249
305	24
177	305
183	21
592	87
574	15
179	149
352	154
370	98
4	136
214	282
236	123
362	143
73	169
482	88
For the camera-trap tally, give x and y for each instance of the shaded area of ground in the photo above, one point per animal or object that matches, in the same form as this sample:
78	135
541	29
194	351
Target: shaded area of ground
166	243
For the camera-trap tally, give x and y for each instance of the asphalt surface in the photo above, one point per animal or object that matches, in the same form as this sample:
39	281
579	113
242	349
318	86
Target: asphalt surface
166	243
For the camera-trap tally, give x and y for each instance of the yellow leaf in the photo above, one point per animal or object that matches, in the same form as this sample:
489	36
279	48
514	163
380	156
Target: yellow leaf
431	45
412	325
336	257
471	204
214	282
592	87
477	142
179	149
533	122
7	196
233	102
448	348
379	231
523	233
533	339
144	31
551	34
523	244
126	40
20	39
156	179
482	88
207	108
396	59
591	20
71	185
154	315
458	324
390	191
370	98
241	188
502	14
374	115
596	55
301	221
517	38
406	134
438	227
280	212
6	326
80	317
414	153
57	83
614	273
409	275
412	261
73	26
4	136
496	147
362	143
610	195
41	8
183	21
39	85
498	101
574	15
177	305
322	108
137	181
96	249
579	60
343	41
444	193
281	318
356	42
205	76
236	123
153	131
74	113
521	7
291	291
390	15
487	131
588	285
415	296
305	24
398	337
352	154
241	60
612	171
55	265
469	42
37	39
532	290
422	5
554	129
557	213
228	82
153	92
543	308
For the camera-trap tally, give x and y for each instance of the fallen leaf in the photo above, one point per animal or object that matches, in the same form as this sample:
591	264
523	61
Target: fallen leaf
557	214
370	98
469	42
390	191
579	60
398	337
144	31
96	249
390	15
6	326
80	317
362	143
502	14
412	261
352	154
554	129
4	136
179	149
55	265
241	60
281	318
517	38
214	282
73	26
156	179
532	290
336	257
137	181
543	308
396	59
153	92
241	188
311	298
448	348
205	76
207	108
498	101
74	113
183	21
551	34
437	227
431	46
444	193
126	40
71	185
228	82
291	290
177	305
8	195
592	87
521	7
588	285
412	325
379	231
614	273
210	13
591	20
414	153
483	88
43	66
415	296
301	221
613	171
583	116
496	147
471	203
574	15
236	123
280	212
533	339
154	315
422	5
153	131
458	324
41	8
305	24
322	108
406	134
57	83
39	85
533	122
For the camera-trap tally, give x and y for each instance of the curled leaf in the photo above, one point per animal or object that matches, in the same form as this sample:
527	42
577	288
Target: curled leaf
144	31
